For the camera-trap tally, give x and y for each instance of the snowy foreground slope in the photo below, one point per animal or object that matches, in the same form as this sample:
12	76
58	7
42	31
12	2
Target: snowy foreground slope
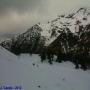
41	76
6	55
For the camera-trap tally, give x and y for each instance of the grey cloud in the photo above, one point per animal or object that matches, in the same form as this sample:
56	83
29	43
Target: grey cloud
19	15
20	6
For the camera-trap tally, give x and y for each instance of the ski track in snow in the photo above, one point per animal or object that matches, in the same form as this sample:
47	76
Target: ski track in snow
31	74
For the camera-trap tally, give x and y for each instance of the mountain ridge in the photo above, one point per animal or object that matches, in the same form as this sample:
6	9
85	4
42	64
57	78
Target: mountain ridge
44	34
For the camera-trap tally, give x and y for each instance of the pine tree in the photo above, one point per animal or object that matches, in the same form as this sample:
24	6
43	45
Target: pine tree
43	56
49	56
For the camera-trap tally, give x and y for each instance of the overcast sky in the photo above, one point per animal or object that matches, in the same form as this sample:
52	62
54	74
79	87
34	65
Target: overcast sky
18	15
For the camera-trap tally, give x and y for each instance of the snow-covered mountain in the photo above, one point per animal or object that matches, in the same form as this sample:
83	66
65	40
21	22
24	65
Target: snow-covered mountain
69	27
52	29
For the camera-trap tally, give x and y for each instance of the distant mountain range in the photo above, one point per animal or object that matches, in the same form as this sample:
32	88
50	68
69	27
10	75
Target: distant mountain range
6	36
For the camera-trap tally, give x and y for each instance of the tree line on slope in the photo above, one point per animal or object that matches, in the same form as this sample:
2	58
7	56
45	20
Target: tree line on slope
70	47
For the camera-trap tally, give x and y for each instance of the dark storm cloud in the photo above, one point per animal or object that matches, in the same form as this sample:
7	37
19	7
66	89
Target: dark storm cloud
19	6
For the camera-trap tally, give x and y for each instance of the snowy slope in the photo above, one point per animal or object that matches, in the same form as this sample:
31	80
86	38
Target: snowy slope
41	76
6	55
